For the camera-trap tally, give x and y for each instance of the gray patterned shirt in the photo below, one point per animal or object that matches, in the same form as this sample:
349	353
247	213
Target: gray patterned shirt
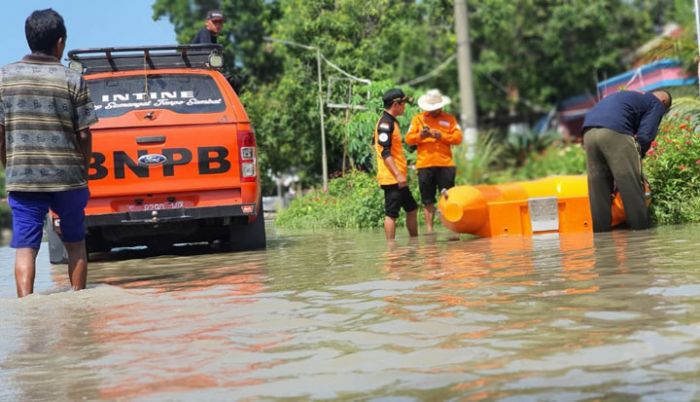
43	106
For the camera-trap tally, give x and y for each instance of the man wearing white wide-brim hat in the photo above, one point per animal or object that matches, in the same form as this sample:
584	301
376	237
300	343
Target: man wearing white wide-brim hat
434	132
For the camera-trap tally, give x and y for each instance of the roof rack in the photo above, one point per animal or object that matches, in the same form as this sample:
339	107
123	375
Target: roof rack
99	60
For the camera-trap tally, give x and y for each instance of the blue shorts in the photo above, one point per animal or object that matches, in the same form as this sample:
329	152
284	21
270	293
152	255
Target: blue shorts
30	208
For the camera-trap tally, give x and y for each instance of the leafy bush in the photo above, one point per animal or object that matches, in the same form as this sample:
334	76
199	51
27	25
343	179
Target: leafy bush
672	166
525	157
479	169
358	125
557	159
519	148
686	108
354	200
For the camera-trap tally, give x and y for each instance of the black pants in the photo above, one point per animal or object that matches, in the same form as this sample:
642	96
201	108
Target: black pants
433	179
396	198
613	158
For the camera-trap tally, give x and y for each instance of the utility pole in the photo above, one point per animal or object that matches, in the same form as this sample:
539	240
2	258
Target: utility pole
324	157
464	67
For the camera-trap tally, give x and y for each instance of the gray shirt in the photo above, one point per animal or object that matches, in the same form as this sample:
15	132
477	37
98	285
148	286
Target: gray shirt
43	106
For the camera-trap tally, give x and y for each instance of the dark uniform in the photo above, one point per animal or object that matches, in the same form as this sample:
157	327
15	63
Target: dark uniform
617	133
204	36
387	142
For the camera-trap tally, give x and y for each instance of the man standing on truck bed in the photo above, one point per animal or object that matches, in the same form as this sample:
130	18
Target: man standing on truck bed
392	167
215	20
46	144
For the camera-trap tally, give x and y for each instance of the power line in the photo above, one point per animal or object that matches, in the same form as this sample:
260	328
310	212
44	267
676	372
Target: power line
434	72
345	73
414	81
319	77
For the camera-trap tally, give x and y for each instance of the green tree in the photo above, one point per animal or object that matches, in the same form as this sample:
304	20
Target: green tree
382	40
549	50
527	54
683	47
378	40
242	34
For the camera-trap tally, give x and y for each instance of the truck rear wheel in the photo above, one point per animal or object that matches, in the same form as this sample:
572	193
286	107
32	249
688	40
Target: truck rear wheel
249	236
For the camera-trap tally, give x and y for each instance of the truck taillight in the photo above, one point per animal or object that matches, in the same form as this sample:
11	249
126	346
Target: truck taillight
246	155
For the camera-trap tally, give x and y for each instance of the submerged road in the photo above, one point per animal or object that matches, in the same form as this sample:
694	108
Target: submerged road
346	315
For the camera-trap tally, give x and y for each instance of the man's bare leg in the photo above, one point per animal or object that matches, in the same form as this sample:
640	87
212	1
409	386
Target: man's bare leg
77	264
429	212
25	270
412	223
389	227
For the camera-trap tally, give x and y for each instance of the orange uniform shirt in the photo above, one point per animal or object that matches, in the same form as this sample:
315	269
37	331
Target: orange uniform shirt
433	152
387	142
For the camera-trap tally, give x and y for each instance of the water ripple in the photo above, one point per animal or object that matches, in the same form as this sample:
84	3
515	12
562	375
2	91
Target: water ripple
344	315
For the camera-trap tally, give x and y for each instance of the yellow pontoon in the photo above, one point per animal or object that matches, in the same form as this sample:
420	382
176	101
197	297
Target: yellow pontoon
554	204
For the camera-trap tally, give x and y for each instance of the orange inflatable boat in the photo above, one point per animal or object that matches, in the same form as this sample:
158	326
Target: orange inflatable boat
557	204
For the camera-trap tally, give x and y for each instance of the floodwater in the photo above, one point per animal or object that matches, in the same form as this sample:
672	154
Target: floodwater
344	315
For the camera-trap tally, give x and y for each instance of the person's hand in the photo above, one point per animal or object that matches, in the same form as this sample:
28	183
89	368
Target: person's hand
402	180
436	134
425	132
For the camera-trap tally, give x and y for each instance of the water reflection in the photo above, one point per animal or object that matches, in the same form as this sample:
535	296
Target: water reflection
347	315
40	362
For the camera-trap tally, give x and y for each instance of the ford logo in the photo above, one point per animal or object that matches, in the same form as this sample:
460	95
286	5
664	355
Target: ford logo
152	160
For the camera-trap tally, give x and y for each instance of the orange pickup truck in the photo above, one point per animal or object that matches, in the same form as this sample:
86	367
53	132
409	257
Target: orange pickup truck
174	154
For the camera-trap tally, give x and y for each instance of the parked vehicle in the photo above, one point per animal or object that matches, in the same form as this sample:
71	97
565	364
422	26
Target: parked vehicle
174	154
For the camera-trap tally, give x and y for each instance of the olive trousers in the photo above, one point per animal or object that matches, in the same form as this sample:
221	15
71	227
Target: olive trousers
613	159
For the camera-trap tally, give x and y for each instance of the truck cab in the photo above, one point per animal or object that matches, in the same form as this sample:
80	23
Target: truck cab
174	154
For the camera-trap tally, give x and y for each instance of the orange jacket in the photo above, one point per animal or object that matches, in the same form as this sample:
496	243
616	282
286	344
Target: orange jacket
431	151
387	142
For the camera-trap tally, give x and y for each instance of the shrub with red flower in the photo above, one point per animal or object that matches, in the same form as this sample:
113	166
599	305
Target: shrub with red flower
672	166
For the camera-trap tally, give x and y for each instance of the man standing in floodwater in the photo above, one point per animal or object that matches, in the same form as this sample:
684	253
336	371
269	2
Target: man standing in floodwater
392	168
618	131
45	146
434	132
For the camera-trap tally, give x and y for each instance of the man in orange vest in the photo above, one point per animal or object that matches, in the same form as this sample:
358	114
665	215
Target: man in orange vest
391	165
434	132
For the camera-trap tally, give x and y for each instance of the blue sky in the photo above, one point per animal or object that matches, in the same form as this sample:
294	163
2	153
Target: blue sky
90	23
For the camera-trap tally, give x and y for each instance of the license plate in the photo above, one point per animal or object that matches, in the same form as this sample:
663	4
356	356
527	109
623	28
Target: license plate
157	206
